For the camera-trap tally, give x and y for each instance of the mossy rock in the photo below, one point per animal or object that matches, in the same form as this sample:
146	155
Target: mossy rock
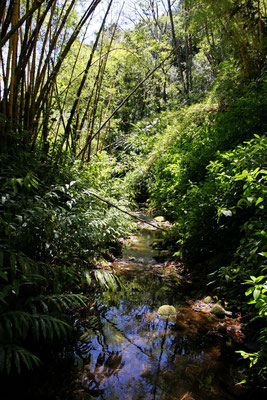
164	253
208	300
159	219
219	311
167	310
157	244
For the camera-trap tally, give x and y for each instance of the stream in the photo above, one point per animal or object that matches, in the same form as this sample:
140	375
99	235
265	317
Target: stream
124	349
127	351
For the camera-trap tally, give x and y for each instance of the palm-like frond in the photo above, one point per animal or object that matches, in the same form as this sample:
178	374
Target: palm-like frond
38	322
18	324
107	280
13	355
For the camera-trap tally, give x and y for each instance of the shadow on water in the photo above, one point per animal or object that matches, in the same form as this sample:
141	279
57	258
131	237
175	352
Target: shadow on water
126	350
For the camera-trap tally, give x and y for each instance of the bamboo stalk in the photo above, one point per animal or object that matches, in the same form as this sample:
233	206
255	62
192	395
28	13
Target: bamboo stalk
47	85
14	51
36	5
85	75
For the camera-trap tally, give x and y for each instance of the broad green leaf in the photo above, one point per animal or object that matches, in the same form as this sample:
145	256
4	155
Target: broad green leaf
227	213
256	294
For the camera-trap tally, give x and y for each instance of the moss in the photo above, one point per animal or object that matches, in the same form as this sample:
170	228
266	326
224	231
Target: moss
207	300
166	310
219	311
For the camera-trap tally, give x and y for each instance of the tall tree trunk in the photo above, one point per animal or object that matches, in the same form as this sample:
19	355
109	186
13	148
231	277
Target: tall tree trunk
85	75
177	50
48	84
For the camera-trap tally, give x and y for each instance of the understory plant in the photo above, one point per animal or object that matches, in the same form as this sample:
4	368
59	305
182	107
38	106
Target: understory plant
217	200
53	232
257	359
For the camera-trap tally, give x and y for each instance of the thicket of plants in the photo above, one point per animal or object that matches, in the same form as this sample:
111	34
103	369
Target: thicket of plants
53	233
213	187
211	182
208	175
53	230
171	111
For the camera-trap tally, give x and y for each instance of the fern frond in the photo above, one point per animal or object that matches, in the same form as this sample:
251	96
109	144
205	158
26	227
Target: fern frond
47	325
13	356
19	323
18	320
60	301
87	277
107	280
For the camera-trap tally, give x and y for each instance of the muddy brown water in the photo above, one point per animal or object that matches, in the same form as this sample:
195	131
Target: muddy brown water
127	351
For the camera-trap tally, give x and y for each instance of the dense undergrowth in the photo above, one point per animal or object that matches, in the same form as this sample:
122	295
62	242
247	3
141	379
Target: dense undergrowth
211	182
53	233
171	112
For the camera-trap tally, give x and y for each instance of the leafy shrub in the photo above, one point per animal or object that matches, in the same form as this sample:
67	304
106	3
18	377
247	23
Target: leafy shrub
201	131
241	181
257	360
53	230
217	200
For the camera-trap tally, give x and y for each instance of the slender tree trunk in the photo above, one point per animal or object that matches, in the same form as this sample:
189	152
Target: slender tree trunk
85	75
177	49
14	52
124	101
7	36
48	84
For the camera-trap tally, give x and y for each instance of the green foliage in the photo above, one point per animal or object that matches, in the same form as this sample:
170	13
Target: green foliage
225	212
232	30
211	182
202	165
25	315
107	280
242	189
199	133
258	289
53	230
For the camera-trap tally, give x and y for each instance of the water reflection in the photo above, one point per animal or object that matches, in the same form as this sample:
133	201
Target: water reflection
129	352
95	376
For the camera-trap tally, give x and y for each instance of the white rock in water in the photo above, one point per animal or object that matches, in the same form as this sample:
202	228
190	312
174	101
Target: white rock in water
159	219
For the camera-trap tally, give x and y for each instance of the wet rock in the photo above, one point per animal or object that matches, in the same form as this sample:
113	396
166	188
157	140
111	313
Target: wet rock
159	219
208	299
219	311
167	310
187	396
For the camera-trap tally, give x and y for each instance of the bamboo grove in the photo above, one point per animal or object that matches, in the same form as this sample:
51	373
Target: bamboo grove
35	39
37	36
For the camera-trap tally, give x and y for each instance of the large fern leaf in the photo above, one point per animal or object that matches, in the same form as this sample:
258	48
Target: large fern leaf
106	279
13	355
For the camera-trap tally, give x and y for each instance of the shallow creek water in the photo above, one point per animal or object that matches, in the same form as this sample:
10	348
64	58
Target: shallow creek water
127	351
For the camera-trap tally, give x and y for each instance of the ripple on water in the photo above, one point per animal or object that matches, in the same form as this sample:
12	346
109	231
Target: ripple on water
132	353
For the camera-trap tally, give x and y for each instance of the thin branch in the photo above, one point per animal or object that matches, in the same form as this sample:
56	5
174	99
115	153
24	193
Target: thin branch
125	100
89	192
36	5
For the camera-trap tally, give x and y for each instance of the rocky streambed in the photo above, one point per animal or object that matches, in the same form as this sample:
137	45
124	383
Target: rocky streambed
149	339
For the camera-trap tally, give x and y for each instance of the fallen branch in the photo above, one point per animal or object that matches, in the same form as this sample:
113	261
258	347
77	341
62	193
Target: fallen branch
124	211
